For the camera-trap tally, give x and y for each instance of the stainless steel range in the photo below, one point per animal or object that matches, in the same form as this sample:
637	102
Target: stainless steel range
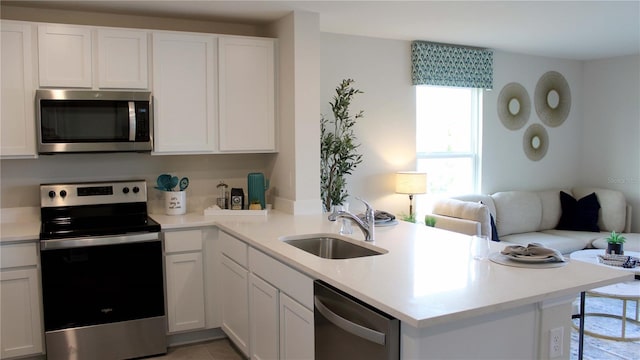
102	272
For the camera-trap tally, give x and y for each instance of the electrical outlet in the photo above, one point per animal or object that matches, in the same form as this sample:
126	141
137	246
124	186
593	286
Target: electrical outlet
556	342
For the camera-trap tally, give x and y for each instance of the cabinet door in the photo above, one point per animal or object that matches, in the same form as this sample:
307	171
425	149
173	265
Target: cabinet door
122	59
21	327
264	319
64	56
235	303
247	94
17	115
296	330
184	93
185	291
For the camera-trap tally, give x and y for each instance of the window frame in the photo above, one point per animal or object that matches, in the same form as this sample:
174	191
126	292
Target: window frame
475	153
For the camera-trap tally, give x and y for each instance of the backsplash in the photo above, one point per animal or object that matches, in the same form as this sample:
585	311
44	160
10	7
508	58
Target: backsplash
20	179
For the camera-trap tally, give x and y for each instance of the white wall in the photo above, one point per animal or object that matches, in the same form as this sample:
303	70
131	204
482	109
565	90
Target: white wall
21	178
382	69
296	174
504	163
610	148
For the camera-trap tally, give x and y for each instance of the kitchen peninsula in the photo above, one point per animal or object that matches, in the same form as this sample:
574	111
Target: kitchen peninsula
428	280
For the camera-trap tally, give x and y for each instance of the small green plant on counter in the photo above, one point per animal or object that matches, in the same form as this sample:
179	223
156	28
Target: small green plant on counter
430	221
408	218
615	238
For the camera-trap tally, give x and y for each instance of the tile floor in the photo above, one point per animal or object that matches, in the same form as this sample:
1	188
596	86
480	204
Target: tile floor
211	350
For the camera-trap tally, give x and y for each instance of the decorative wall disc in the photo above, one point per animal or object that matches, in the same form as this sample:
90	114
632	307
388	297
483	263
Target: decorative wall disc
535	142
514	106
552	98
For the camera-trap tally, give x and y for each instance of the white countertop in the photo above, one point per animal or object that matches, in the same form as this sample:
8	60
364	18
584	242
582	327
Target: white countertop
426	278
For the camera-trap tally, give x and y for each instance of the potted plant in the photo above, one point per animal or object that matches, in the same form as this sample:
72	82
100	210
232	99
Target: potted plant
338	147
255	205
430	221
408	218
614	243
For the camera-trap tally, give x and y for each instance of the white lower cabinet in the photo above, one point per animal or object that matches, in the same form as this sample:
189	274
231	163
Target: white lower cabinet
264	306
268	306
21	331
185	280
235	303
296	330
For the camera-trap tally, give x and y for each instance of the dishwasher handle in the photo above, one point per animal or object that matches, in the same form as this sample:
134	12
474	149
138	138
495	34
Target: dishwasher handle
348	326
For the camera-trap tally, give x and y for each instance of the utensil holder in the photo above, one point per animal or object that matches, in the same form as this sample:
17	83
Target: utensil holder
175	202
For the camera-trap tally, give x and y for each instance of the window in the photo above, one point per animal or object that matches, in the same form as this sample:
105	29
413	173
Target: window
448	123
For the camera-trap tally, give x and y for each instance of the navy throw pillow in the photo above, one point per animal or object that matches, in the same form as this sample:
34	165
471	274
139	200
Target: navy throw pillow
494	230
579	215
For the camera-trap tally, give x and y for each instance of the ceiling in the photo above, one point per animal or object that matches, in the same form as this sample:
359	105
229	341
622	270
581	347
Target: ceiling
581	30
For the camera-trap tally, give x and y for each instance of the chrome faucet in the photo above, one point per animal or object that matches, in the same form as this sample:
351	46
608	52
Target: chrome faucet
367	225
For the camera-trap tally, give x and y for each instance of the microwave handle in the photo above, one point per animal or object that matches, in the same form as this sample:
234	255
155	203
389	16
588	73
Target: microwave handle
132	121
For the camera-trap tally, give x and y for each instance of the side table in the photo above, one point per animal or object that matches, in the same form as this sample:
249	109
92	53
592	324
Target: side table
627	291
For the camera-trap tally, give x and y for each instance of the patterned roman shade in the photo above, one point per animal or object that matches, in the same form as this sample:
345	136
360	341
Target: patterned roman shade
450	65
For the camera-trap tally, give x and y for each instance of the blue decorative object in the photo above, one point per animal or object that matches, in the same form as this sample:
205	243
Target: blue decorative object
257	185
450	65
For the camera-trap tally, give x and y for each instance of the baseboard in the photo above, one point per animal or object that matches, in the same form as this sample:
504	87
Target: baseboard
195	337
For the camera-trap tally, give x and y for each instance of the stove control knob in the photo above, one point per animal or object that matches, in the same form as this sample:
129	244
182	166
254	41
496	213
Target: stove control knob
136	189
125	190
63	193
52	194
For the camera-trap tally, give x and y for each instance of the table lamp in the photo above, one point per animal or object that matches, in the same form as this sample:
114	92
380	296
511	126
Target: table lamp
411	183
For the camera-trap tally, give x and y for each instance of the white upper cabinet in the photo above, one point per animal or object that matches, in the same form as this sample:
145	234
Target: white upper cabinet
64	56
247	94
17	110
185	117
88	57
122	59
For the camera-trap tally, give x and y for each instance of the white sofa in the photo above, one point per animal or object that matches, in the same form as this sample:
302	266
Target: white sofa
523	217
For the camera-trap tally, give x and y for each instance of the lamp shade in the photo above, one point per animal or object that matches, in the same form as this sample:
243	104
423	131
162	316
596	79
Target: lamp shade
411	182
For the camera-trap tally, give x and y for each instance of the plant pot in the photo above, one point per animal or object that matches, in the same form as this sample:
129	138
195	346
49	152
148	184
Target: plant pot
615	249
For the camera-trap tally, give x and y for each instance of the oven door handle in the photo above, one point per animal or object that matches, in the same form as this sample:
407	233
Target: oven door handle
97	241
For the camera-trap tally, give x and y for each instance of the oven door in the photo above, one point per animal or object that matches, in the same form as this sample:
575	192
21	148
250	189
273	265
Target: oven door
101	284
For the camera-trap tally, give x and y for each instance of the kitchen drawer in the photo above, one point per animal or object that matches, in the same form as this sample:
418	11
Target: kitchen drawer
16	255
290	281
234	248
180	241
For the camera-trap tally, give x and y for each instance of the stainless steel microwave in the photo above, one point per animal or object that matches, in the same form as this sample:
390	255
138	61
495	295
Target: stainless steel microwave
78	121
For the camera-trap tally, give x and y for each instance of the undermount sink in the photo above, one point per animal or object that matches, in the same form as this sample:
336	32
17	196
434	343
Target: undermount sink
330	246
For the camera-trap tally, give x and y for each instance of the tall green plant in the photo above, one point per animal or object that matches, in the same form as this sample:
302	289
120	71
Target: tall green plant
338	147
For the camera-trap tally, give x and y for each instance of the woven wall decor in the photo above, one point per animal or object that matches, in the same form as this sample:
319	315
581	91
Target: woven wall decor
535	142
514	106
552	99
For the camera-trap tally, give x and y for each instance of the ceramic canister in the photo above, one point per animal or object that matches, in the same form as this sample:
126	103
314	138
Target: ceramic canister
256	187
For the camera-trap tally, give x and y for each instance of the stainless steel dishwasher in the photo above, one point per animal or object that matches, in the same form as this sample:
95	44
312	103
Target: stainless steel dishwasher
347	328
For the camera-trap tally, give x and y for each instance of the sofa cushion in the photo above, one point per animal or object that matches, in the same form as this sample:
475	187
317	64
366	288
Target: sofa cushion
563	244
517	212
579	215
481	198
585	237
468	210
551	209
613	205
